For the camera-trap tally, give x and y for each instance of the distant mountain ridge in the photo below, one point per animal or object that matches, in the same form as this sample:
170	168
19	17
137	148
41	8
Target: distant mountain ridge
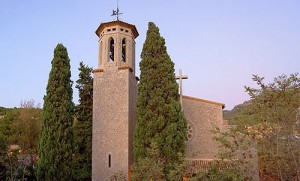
230	114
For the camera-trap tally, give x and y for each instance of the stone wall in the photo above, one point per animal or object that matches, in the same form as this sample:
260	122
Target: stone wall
113	122
202	117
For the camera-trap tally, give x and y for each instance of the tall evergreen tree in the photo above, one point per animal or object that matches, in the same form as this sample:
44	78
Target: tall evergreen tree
55	143
83	126
160	120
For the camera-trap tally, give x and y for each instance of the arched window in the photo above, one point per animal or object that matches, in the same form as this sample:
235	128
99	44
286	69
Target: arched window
124	50
100	53
111	50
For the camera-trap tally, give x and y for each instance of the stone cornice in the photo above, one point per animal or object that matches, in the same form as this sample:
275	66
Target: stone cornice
120	23
97	70
125	67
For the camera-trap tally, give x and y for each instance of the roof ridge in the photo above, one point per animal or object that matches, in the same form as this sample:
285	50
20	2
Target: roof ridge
204	100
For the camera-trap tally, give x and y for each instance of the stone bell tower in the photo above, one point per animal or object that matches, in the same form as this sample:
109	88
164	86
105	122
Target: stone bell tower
115	94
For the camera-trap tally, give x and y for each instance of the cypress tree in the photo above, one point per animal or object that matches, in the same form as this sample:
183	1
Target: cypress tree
160	120
83	126
55	143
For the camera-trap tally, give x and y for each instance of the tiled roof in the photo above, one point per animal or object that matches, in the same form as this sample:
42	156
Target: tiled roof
121	23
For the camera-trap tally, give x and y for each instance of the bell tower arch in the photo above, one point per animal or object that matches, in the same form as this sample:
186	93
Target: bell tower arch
114	100
116	45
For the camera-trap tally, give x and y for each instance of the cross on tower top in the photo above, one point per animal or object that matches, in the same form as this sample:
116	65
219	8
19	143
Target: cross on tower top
180	77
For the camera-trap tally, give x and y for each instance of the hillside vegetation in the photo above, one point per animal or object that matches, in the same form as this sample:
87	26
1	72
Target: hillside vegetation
230	114
2	111
19	133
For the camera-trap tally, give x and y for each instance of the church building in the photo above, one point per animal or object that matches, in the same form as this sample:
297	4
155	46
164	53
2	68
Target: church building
114	107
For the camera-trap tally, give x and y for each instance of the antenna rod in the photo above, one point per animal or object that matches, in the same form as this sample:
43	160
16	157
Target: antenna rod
117	12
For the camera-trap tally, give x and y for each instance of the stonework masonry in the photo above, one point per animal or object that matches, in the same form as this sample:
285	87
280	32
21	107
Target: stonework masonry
202	116
114	108
114	100
113	122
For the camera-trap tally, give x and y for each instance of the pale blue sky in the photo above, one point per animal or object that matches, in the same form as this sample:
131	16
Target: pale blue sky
219	44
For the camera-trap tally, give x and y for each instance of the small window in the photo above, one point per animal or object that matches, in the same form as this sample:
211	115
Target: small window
111	54
124	50
126	31
109	161
122	29
114	29
108	30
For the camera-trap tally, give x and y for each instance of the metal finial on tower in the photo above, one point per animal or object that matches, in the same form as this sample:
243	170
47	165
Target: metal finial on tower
117	12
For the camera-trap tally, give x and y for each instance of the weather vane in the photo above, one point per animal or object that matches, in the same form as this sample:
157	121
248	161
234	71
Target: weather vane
117	12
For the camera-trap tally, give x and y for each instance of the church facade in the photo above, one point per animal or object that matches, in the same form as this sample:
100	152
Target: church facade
114	105
203	116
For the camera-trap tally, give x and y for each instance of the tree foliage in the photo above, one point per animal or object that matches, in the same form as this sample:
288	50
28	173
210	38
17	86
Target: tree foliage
82	162
55	143
160	120
150	167
26	129
19	131
272	121
275	124
5	133
237	158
